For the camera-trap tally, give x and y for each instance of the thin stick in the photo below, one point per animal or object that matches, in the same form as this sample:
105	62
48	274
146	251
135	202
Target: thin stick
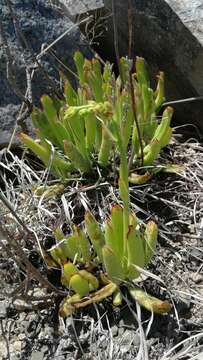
6	340
130	29
44	51
116	47
181	101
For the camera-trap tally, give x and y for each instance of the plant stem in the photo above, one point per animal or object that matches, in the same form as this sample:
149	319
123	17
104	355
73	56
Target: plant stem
133	103
124	194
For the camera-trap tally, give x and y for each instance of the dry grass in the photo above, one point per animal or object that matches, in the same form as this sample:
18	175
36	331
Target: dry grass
175	200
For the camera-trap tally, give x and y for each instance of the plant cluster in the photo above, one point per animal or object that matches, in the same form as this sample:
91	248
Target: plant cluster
94	264
105	118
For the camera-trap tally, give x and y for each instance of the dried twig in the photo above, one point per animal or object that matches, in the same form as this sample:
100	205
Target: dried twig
130	29
116	47
5	338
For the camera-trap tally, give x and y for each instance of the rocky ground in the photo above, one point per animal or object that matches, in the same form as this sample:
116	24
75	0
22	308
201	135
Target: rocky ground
33	329
33	70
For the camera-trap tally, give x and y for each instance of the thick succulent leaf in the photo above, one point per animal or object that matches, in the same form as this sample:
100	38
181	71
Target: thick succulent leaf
163	127
69	269
105	149
149	302
79	285
76	157
70	94
83	244
95	234
127	125
109	236
59	166
125	69
66	308
159	93
55	125
41	123
107	73
117	228
58	234
66	249
123	190
38	149
150	122
74	122
135	249
71	247
69	305
150	237
112	265
94	80
142	71
173	168
79	62
167	137
49	260
140	179
58	254
92	280
133	220
139	109
151	152
117	298
91	130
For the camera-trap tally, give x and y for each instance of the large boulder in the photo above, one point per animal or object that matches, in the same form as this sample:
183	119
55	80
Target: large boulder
169	35
41	23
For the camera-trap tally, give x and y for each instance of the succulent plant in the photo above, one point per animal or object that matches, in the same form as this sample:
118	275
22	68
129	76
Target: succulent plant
96	262
92	125
93	122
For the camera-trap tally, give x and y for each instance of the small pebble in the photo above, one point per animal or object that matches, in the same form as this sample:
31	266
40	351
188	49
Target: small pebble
196	277
114	330
3	309
16	346
38	355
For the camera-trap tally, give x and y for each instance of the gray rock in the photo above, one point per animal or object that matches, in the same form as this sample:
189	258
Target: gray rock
191	14
127	339
114	330
3	309
169	35
38	355
76	7
196	277
40	23
8	114
199	356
